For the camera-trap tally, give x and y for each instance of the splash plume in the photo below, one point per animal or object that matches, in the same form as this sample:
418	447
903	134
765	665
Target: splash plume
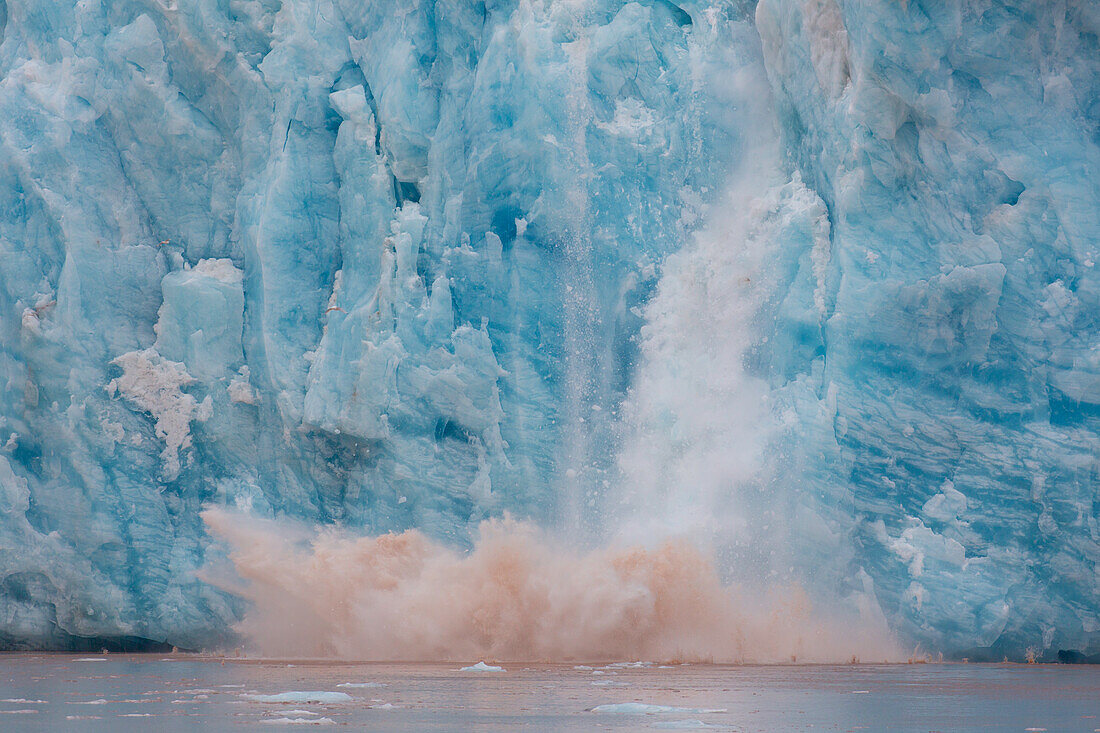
516	596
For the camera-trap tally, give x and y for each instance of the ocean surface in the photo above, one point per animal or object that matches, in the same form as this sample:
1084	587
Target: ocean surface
149	692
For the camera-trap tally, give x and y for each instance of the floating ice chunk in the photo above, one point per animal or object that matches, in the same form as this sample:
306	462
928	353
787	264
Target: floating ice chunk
301	721
689	724
641	708
583	668
300	697
362	684
630	665
137	715
90	659
24	701
300	712
100	701
24	711
385	706
608	683
482	667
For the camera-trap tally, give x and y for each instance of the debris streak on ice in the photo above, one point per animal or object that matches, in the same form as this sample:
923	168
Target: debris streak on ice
517	595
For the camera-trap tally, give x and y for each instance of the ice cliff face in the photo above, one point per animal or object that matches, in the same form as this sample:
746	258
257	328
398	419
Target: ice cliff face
390	267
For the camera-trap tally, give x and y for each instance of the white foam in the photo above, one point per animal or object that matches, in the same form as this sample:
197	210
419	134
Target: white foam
301	697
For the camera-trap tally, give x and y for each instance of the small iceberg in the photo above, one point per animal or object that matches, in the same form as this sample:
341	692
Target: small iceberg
300	721
295	696
481	667
641	708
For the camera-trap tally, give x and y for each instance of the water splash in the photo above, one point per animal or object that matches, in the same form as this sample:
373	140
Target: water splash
518	596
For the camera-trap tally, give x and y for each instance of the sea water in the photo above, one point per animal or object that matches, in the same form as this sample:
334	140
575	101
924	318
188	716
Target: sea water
180	692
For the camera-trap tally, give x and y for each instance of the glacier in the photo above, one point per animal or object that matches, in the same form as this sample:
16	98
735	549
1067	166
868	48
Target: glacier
813	279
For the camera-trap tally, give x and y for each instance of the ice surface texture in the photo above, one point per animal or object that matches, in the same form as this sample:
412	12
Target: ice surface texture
347	261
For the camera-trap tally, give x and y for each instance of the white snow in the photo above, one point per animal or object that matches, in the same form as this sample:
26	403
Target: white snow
220	269
155	385
240	388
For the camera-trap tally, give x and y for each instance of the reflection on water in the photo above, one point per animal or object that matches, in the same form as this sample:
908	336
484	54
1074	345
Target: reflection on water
120	692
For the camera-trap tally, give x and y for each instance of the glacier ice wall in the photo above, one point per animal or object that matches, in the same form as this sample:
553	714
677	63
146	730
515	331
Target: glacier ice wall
332	260
398	267
946	385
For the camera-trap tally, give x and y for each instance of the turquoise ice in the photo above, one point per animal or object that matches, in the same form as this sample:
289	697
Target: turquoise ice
394	267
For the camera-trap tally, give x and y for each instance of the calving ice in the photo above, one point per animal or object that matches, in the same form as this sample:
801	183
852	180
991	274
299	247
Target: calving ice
758	320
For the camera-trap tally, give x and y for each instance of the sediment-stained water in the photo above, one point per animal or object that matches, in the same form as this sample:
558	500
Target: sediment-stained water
126	692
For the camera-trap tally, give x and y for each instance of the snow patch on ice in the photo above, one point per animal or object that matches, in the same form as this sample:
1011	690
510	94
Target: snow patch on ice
222	270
